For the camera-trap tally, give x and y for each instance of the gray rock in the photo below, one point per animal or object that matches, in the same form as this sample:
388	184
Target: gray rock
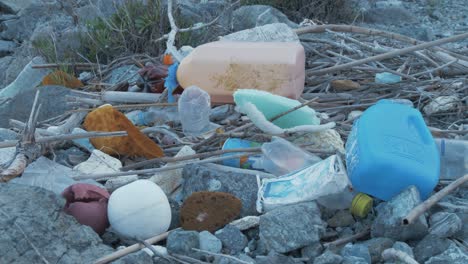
376	246
182	242
209	242
175	214
276	32
328	258
388	3
211	177
251	16
14	6
388	16
4	64
341	219
463	234
430	246
356	250
226	260
16	65
52	98
283	231
6	47
274	257
402	246
137	257
22	28
232	239
34	216
354	260
70	157
312	251
390	214
453	255
444	224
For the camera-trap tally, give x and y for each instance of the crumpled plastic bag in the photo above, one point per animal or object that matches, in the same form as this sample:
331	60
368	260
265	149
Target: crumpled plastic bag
107	119
319	180
88	204
260	106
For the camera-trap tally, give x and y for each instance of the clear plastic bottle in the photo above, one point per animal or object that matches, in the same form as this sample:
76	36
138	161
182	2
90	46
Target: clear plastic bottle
280	157
194	111
453	158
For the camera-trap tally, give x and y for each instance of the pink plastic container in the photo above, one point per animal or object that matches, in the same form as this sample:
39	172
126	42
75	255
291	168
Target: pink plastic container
221	68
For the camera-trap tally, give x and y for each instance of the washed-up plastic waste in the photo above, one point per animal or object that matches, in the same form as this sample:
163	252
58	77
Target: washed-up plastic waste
107	119
387	78
170	82
221	68
170	180
260	106
194	110
139	210
361	205
99	162
49	175
328	139
453	158
88	204
209	211
441	104
245	162
325	178
83	143
280	157
389	149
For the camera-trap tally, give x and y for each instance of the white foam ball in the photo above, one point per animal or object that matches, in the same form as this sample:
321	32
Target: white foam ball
139	210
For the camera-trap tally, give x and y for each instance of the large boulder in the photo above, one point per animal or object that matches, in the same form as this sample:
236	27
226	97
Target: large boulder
34	229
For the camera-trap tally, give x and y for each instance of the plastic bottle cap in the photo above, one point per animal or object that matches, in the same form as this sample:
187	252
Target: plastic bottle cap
361	205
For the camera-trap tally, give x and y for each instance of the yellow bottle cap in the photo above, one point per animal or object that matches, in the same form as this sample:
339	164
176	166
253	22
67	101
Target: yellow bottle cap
361	205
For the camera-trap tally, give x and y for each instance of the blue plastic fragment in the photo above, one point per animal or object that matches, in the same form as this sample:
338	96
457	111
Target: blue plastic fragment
171	81
387	78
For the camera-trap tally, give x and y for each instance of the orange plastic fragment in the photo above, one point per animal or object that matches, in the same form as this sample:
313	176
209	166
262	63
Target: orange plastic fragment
62	78
167	59
107	119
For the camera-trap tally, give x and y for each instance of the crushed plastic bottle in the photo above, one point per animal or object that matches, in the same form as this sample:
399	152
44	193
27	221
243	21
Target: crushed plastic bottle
141	118
453	158
280	157
387	78
194	110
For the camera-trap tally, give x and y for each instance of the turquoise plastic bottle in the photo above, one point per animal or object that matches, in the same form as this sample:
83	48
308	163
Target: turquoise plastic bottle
389	149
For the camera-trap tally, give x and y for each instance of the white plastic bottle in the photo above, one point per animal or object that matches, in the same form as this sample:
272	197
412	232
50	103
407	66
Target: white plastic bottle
194	111
453	158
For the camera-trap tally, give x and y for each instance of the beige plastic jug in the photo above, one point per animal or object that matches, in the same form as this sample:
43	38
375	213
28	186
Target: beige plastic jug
220	68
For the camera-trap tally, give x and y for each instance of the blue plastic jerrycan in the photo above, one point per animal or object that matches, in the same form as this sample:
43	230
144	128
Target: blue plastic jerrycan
389	149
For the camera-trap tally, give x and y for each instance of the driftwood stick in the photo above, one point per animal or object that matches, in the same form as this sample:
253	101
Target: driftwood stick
167	168
130	106
392	254
189	157
130	249
15	169
390	54
345	240
9	144
426	205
